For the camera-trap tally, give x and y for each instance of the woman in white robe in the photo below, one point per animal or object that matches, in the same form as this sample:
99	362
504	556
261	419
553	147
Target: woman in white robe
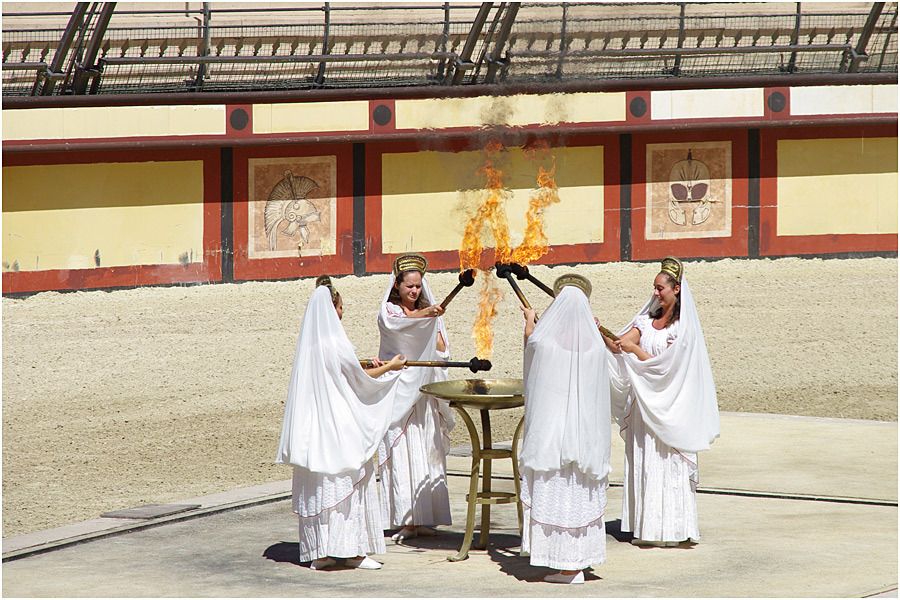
413	455
564	461
334	418
664	400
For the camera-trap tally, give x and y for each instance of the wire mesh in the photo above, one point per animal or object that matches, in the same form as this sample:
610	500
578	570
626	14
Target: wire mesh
418	44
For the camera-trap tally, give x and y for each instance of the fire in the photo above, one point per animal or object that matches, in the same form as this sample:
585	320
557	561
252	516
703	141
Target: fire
491	210
534	243
482	331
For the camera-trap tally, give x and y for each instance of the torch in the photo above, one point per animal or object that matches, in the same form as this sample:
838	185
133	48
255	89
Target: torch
466	279
521	272
475	364
607	333
504	271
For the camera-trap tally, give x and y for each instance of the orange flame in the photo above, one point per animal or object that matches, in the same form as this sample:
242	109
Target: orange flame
491	211
482	332
534	243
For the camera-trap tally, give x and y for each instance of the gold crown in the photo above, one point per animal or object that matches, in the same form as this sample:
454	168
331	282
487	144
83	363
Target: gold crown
572	279
410	262
673	267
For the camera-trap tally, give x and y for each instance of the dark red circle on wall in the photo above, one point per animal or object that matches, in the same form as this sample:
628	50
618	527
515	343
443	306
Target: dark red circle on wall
239	118
382	115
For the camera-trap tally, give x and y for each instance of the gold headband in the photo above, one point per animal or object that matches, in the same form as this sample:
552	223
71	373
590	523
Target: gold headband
672	266
572	279
410	262
326	281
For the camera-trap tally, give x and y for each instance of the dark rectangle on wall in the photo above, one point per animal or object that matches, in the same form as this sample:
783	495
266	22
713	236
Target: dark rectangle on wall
227	200
753	196
625	197
359	209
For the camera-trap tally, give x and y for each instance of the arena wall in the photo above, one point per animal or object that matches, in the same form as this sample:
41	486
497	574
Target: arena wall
202	192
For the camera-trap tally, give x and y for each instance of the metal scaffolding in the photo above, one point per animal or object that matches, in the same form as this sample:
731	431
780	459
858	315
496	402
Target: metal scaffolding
95	49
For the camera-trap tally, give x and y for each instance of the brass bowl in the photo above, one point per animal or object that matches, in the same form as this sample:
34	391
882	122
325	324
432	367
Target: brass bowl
479	393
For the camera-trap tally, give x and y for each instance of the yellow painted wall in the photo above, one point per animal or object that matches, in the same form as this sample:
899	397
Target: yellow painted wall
424	200
833	186
58	216
311	117
518	110
112	121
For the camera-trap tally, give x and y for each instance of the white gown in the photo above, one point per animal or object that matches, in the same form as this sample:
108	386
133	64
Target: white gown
564	460
334	419
413	454
659	502
563	518
339	514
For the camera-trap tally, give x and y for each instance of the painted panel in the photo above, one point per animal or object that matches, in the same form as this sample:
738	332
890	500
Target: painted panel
427	197
837	186
292	207
843	99
515	111
299	117
309	192
69	216
717	231
112	122
688	190
707	104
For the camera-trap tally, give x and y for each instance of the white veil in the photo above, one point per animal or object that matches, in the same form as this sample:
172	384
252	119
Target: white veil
416	339
674	391
566	390
335	414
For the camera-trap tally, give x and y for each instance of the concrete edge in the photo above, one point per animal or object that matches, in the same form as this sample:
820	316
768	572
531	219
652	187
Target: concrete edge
755	415
75	533
886	592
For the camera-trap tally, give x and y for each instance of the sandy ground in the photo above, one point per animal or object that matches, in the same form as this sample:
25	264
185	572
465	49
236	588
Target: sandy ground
116	399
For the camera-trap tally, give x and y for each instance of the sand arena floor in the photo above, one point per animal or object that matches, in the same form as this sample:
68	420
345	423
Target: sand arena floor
116	399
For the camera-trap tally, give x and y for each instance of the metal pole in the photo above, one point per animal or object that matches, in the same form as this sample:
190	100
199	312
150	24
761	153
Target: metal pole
320	76
860	53
204	50
795	37
676	67
46	81
79	47
562	41
494	60
86	69
445	39
464	61
486	42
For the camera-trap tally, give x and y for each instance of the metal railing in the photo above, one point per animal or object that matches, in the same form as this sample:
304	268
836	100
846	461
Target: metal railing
304	47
